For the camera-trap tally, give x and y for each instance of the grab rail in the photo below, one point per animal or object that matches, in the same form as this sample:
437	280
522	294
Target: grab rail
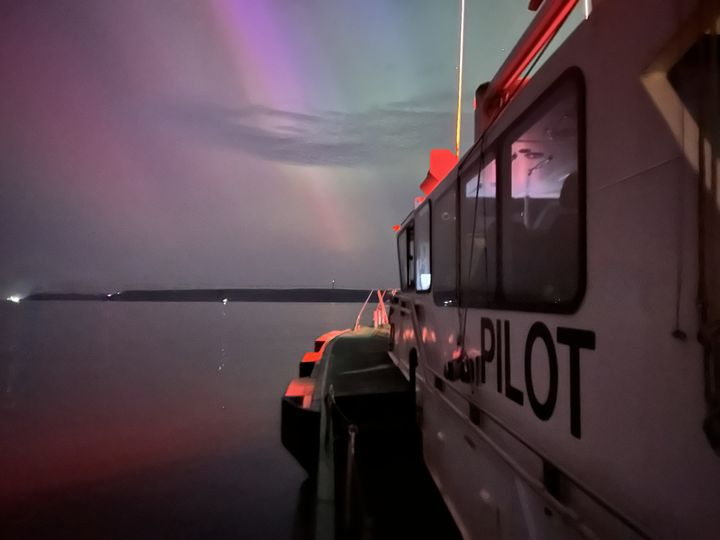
380	316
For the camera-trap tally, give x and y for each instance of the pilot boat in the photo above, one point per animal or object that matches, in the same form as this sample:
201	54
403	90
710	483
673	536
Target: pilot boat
557	325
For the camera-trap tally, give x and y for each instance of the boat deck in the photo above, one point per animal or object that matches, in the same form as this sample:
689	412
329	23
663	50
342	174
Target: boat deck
372	482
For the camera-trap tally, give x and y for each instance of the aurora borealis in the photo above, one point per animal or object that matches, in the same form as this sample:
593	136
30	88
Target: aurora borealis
180	143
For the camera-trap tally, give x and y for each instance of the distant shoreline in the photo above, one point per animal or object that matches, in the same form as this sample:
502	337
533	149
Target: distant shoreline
214	295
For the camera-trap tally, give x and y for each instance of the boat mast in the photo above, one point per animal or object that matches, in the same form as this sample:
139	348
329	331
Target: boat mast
460	74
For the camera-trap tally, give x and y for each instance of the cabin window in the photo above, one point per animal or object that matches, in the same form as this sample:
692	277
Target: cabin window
444	248
423	276
406	255
478	233
402	258
542	226
410	258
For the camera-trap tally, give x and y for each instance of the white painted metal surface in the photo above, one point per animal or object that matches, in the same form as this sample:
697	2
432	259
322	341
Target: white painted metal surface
641	466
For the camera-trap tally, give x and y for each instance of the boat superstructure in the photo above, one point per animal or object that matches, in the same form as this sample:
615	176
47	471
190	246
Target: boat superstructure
560	299
558	322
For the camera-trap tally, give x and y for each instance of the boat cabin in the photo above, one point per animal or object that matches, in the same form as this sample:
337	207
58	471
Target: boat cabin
559	310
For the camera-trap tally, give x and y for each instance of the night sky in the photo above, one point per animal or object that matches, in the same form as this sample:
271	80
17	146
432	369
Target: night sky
225	143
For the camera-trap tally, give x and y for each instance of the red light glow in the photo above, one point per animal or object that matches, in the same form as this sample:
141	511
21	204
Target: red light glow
301	388
312	357
326	338
543	36
534	5
442	162
396	227
552	15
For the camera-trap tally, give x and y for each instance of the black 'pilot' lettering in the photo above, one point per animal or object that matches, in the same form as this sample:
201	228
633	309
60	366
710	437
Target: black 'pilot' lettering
515	394
576	340
539	331
487	345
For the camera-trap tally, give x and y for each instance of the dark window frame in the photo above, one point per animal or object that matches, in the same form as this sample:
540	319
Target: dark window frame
485	156
408	230
454	184
410	260
427	203
402	235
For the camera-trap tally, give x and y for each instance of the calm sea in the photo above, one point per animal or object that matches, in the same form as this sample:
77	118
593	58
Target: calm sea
151	420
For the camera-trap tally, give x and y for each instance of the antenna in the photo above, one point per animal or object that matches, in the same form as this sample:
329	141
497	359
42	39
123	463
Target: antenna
460	74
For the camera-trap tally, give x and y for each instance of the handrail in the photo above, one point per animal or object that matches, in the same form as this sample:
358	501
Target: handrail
380	316
550	17
357	321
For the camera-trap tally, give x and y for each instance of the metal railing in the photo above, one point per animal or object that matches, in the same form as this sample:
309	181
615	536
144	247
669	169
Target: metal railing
380	315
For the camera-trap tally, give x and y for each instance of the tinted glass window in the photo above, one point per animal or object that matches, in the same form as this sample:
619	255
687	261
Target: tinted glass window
478	233
402	256
444	248
411	257
541	204
422	248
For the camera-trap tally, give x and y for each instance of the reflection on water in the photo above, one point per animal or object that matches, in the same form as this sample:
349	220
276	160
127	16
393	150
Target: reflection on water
151	419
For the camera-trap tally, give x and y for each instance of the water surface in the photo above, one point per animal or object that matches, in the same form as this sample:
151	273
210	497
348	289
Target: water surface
151	420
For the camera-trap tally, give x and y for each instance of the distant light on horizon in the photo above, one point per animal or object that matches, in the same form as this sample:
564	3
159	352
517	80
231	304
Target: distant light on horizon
15	299
225	301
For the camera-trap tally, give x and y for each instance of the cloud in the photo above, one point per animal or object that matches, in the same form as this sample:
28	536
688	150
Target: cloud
323	138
